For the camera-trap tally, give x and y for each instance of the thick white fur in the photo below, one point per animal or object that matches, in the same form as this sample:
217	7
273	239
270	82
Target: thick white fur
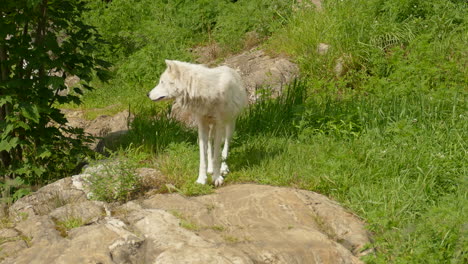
214	97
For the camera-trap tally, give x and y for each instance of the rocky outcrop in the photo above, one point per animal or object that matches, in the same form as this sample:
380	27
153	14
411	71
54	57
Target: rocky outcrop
259	70
101	125
237	224
109	128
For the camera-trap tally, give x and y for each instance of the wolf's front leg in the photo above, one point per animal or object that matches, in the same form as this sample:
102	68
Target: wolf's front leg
210	150
203	130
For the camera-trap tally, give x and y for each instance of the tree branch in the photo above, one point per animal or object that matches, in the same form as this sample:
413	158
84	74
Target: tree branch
41	30
19	65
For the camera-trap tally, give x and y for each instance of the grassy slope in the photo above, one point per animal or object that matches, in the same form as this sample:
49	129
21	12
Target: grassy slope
387	140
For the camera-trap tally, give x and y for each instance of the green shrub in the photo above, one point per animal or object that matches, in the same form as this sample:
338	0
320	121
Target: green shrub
114	181
13	189
35	58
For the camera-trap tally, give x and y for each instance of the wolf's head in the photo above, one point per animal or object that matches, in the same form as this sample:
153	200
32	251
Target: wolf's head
167	87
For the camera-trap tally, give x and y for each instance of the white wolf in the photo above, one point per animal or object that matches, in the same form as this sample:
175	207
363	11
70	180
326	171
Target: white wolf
214	97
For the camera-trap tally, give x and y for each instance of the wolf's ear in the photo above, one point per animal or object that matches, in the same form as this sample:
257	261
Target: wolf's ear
169	64
172	67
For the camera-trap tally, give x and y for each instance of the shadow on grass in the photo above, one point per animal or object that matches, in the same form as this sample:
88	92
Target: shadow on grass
153	131
253	151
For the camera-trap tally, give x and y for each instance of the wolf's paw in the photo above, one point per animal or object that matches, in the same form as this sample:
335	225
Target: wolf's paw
201	180
224	169
218	181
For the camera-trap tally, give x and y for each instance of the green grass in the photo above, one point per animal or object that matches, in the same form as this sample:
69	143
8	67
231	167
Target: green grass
399	163
405	40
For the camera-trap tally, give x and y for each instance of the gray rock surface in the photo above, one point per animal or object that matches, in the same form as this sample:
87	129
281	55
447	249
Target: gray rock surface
12	247
237	224
101	125
108	127
259	70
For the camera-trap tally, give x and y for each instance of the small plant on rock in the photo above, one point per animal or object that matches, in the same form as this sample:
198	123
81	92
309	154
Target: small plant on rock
116	181
66	225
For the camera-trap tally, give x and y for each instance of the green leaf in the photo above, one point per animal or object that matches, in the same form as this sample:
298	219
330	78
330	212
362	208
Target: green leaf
8	129
56	82
11	126
5	99
25	170
8	144
20	193
38	171
45	154
31	112
23	125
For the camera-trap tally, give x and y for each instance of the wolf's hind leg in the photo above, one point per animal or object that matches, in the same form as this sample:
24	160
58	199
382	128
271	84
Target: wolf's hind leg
210	150
203	131
217	138
229	131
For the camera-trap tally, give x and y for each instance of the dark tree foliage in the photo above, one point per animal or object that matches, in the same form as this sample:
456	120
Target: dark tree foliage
41	43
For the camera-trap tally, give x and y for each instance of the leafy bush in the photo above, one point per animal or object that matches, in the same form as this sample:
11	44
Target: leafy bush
12	189
41	43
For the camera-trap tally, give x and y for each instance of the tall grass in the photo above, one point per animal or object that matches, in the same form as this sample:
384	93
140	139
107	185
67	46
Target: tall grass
387	40
399	163
257	119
